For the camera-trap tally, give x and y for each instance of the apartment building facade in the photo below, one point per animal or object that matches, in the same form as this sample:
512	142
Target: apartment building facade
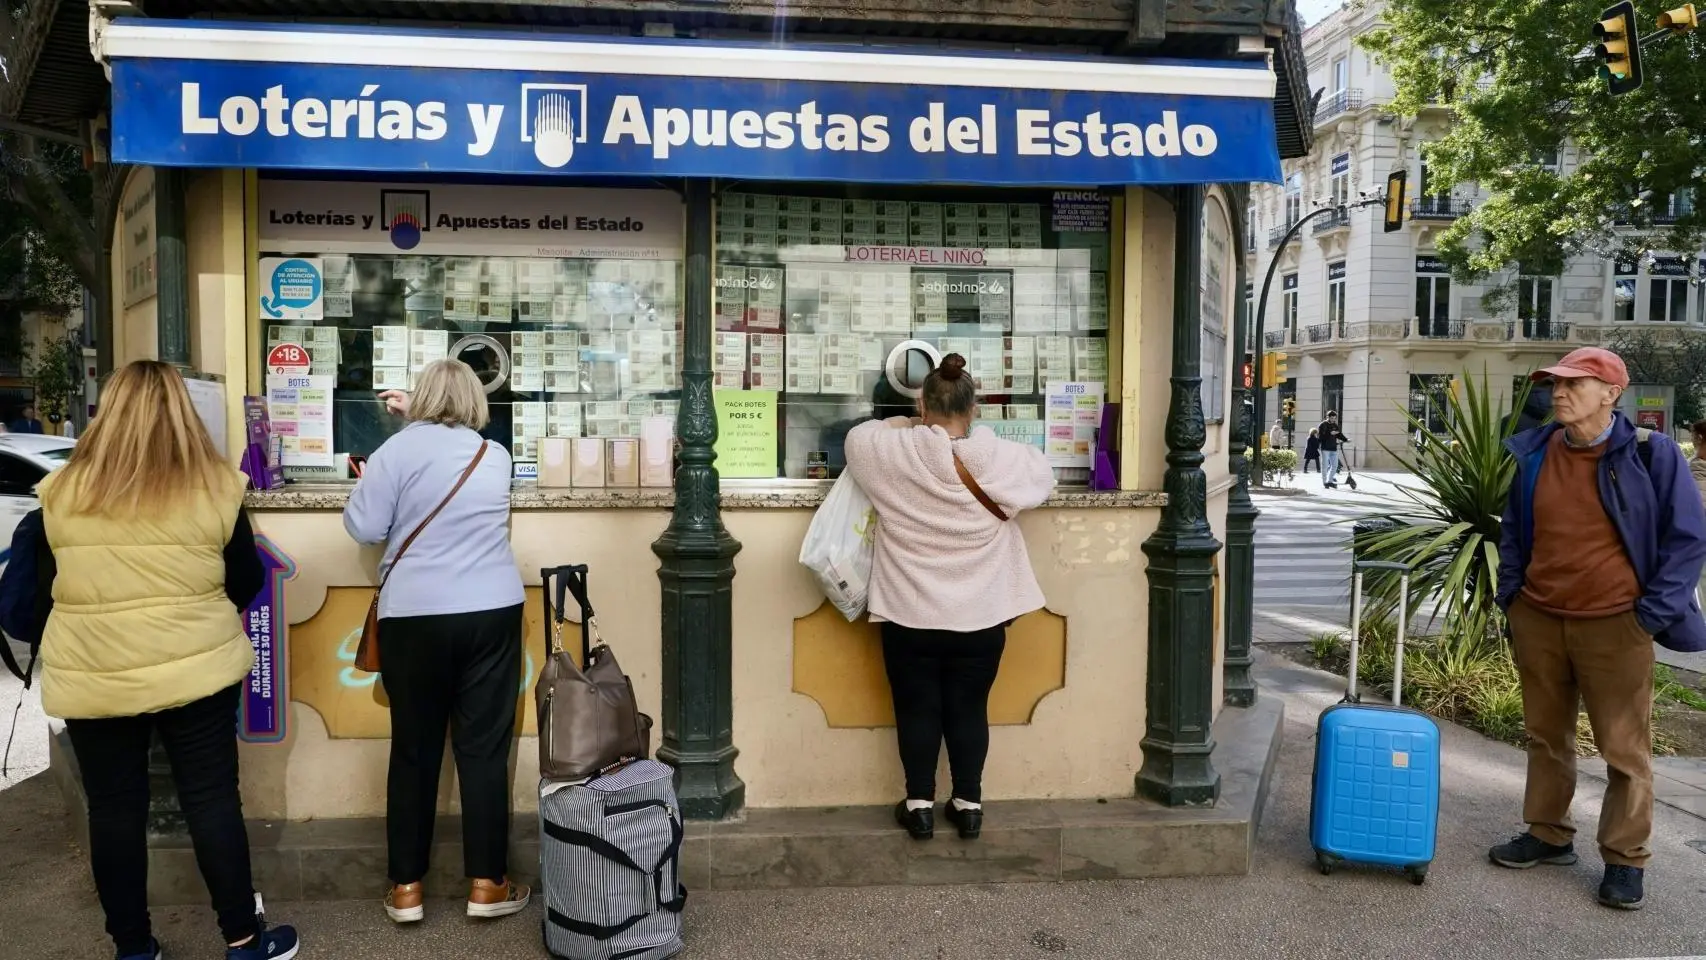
1371	323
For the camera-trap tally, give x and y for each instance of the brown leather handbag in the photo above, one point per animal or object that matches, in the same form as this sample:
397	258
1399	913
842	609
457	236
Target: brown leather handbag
589	719
367	651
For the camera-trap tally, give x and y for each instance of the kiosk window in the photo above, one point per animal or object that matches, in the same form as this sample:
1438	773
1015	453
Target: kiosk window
817	289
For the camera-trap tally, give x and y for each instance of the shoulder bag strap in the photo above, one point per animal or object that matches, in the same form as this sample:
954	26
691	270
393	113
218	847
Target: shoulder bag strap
977	491
466	473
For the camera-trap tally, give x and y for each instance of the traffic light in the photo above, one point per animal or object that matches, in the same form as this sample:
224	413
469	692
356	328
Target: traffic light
1619	48
1268	364
1681	20
1395	199
1279	367
1248	373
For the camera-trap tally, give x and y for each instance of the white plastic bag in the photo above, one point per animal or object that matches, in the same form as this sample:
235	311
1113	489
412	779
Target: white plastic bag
840	544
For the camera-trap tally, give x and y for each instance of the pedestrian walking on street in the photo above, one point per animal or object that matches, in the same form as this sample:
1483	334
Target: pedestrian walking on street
1330	438
449	632
146	558
950	573
1312	451
1276	433
1600	551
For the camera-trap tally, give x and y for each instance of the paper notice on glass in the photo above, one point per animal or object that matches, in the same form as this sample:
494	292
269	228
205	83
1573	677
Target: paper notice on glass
412	269
1054	359
985	363
391	378
1089	359
425	346
461	306
766	360
728	361
1031	431
995	302
1096	312
299	409
805	363
496	309
564	419
1022	411
871	353
338	305
1073	411
278	334
746	433
527	369
764	298
651	356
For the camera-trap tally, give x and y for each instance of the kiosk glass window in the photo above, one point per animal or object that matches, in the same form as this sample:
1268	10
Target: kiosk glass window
566	303
819	286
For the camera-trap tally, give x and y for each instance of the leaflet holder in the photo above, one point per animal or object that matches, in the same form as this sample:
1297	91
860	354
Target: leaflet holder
1104	470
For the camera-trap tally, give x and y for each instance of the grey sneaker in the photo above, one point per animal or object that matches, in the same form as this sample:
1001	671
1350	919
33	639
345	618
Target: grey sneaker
1527	850
1621	888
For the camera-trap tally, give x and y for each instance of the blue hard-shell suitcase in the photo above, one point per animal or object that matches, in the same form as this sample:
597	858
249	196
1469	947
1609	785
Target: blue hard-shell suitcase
1376	782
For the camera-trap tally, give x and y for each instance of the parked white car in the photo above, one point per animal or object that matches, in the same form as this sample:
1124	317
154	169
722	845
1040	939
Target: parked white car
24	459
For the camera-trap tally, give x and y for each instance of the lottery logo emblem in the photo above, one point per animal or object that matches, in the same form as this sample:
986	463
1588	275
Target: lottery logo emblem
405	215
553	119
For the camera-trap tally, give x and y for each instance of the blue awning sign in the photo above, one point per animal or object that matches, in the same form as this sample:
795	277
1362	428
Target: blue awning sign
198	95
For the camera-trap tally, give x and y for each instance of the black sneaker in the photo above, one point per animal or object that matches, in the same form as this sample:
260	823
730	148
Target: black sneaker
1621	888
920	824
1527	850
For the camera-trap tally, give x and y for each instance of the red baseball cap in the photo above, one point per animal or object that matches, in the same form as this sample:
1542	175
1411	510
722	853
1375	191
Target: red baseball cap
1588	362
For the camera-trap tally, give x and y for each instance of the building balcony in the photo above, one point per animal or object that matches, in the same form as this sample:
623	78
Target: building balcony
1274	339
1277	234
1438	328
1345	101
1437	208
1337	220
1318	333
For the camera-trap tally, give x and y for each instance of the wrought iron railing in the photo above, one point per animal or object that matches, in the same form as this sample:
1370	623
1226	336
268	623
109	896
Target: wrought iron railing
1342	102
1435	329
1319	333
1274	338
1437	208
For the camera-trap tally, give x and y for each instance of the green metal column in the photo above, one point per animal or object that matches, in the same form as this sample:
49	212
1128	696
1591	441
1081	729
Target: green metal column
1178	741
1239	686
172	264
697	568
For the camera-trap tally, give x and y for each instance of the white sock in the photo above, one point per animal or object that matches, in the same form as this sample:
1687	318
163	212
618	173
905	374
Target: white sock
966	805
912	805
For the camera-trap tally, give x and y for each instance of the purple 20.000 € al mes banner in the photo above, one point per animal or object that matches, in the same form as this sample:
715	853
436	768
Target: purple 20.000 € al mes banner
266	700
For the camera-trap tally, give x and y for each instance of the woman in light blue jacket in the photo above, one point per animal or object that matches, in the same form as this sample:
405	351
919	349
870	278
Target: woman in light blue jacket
449	632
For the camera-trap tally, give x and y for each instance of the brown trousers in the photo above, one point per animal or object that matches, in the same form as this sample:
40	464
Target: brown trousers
1606	664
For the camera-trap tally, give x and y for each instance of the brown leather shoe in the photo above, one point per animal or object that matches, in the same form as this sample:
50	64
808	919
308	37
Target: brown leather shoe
405	903
490	899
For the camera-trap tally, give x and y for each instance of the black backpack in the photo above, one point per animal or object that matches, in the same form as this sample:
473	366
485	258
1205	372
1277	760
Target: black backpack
19	616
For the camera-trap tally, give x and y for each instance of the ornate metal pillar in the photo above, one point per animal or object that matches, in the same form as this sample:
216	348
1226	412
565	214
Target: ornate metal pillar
1178	741
1241	513
697	564
172	265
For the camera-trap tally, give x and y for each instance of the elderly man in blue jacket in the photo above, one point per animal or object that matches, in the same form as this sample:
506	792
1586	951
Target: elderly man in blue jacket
1602	544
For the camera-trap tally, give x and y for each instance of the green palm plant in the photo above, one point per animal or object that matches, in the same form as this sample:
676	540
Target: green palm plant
1448	535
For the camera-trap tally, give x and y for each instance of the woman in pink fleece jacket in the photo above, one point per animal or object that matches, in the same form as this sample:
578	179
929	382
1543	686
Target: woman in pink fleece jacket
950	574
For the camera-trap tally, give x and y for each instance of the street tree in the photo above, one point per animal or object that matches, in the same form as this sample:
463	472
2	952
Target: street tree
1667	358
1523	84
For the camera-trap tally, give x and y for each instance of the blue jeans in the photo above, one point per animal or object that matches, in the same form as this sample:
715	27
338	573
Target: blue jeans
1330	465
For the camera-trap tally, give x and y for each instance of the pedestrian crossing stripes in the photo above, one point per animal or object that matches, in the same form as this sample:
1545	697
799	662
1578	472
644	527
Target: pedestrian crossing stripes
1303	552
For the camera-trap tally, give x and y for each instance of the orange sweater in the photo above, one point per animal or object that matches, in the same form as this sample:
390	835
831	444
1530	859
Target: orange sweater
1577	568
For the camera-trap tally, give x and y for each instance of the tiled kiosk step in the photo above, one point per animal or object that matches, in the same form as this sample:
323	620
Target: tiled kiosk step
1023	841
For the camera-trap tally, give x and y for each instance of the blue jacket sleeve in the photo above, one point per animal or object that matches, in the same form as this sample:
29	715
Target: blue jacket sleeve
21	613
372	507
1510	548
1669	593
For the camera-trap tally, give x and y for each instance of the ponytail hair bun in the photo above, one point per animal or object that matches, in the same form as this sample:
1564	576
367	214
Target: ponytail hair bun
952	367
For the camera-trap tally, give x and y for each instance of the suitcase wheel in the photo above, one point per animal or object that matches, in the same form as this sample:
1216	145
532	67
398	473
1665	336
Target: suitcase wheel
1325	862
1418	874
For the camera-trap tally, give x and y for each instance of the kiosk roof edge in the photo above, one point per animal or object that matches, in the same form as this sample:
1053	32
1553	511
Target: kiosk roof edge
131	39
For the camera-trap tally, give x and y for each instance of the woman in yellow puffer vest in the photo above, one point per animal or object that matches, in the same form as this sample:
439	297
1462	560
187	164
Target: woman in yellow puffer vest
146	559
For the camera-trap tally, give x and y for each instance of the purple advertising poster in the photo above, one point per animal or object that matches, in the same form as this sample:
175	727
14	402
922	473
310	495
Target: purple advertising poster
266	700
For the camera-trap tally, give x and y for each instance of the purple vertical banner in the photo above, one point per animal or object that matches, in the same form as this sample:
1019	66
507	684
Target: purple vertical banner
266	698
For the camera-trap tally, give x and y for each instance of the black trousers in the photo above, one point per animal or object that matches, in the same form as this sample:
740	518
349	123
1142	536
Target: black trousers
112	754
941	681
462	671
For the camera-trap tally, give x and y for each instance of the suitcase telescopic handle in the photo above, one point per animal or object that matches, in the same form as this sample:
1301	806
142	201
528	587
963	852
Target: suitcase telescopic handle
1403	571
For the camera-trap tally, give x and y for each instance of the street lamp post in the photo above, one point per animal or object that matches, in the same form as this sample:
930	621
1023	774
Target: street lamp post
1262	308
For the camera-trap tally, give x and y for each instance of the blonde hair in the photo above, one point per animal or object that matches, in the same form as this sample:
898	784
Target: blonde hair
145	449
449	392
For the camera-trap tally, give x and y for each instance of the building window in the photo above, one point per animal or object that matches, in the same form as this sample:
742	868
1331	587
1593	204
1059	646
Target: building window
565	345
1333	395
1534	307
1215	295
1341	182
1341	75
1293	199
1623	293
1336	298
1433	298
1288	309
1249	317
1428	402
810	309
1547	159
1252	226
1667	299
1430	202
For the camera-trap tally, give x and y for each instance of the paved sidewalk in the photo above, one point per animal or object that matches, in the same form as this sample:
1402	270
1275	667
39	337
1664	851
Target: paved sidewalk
1678	782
